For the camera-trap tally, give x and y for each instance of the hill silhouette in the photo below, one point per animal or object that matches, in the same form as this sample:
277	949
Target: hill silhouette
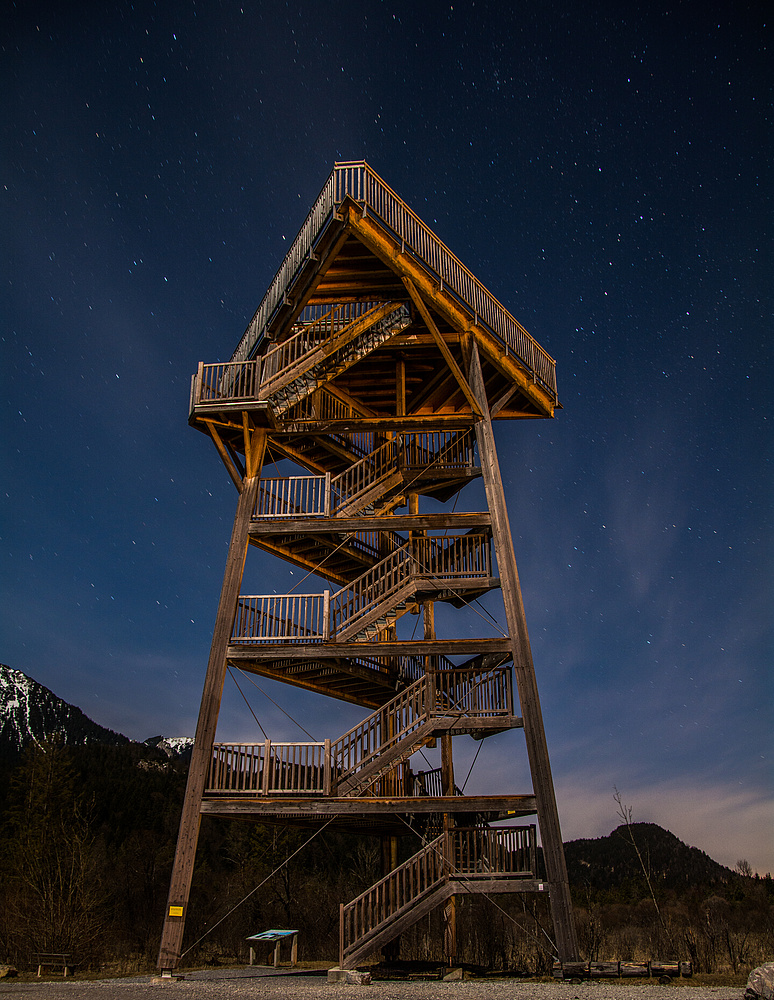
610	863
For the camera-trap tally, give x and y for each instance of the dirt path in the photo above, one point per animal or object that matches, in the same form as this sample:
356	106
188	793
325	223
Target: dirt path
264	983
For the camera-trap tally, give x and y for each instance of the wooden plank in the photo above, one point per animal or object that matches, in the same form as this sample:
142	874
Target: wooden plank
346	650
319	808
460	523
493	886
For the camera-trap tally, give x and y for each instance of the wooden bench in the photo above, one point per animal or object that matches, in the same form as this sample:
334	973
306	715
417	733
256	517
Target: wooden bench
55	960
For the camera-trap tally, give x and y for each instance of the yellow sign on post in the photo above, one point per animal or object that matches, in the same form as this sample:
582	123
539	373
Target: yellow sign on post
176	911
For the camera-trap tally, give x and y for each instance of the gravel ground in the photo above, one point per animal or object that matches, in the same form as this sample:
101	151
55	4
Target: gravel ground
258	983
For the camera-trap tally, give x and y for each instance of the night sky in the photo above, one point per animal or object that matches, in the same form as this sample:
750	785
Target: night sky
602	168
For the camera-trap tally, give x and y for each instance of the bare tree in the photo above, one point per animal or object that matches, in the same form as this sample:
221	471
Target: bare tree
625	813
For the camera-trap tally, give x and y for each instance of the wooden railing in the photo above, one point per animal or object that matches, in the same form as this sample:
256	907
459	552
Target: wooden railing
472	694
318	617
322	766
446	449
361	476
402	888
426	784
270	768
226	382
292	496
278	363
311	496
282	618
371	589
358	181
260	378
382	730
494	852
439	558
461	855
452	557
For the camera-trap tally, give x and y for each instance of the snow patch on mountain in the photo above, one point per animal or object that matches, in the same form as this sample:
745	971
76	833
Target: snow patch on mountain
31	713
172	746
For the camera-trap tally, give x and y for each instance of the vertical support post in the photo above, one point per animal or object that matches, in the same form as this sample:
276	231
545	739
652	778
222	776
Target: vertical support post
341	935
400	387
524	669
266	777
327	768
326	615
188	835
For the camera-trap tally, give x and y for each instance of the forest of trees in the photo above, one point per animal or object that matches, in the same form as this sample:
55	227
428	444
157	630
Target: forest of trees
88	836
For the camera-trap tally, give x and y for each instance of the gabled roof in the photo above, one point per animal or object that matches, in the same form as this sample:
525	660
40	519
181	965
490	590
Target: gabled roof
361	243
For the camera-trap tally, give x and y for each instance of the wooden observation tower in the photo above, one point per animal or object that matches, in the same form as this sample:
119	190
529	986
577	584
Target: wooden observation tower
376	363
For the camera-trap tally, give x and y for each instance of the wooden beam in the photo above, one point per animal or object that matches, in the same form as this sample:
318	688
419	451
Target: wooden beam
514	805
392	522
400	387
188	836
347	650
224	455
443	347
524	670
411	422
256	449
495	408
373	236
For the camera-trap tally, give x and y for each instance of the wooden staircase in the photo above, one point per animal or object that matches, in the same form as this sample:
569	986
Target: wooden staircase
445	567
476	702
480	859
313	356
303	518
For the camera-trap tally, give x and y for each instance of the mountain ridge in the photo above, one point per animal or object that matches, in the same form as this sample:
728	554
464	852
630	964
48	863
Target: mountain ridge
32	713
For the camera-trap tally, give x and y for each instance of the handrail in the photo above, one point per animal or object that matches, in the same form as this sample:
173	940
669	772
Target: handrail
383	729
278	362
358	181
300	250
308	496
463	692
402	887
291	496
281	618
270	767
316	617
466	692
462	854
362	475
429	784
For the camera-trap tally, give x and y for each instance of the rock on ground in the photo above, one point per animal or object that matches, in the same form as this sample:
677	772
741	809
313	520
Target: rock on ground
761	982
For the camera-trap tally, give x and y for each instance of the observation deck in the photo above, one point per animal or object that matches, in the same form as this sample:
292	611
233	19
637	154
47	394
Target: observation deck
367	325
